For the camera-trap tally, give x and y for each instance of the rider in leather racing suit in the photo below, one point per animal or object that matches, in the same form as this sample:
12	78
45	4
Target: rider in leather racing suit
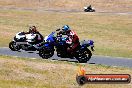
73	39
33	30
89	7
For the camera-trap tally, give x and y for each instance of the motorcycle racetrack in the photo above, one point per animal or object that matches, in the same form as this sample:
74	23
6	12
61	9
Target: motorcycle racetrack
110	27
104	60
63	11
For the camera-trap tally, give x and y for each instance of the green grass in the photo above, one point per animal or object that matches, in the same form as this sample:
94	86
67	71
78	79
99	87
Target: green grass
38	73
112	33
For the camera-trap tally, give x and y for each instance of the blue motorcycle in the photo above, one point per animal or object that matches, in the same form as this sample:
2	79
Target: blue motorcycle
47	49
82	53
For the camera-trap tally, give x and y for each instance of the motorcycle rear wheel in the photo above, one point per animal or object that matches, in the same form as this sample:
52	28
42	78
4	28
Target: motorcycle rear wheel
13	46
84	56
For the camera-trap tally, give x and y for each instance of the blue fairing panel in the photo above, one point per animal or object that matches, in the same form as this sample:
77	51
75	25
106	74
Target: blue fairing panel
46	45
90	42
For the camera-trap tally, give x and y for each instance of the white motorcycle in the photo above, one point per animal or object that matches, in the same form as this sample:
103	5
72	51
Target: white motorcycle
24	41
86	9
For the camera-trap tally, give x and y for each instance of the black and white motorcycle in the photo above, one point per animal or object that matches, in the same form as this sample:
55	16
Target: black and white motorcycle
25	42
89	9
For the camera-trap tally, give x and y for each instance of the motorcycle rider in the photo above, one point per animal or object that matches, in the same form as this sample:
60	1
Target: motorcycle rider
89	7
72	39
33	30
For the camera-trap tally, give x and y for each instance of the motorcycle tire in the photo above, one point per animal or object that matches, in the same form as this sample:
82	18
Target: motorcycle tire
93	10
61	54
84	56
85	10
45	54
13	47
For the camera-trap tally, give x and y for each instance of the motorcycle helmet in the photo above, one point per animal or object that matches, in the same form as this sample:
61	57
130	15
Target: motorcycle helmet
32	29
65	28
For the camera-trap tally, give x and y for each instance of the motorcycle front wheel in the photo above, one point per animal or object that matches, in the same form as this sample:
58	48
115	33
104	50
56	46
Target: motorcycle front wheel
45	54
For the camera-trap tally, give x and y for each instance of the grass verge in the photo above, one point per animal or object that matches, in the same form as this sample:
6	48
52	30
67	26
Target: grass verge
38	73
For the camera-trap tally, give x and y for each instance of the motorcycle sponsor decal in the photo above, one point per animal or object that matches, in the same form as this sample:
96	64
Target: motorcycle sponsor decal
83	78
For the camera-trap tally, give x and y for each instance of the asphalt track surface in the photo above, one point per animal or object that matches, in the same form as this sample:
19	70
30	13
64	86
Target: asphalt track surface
104	60
60	10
